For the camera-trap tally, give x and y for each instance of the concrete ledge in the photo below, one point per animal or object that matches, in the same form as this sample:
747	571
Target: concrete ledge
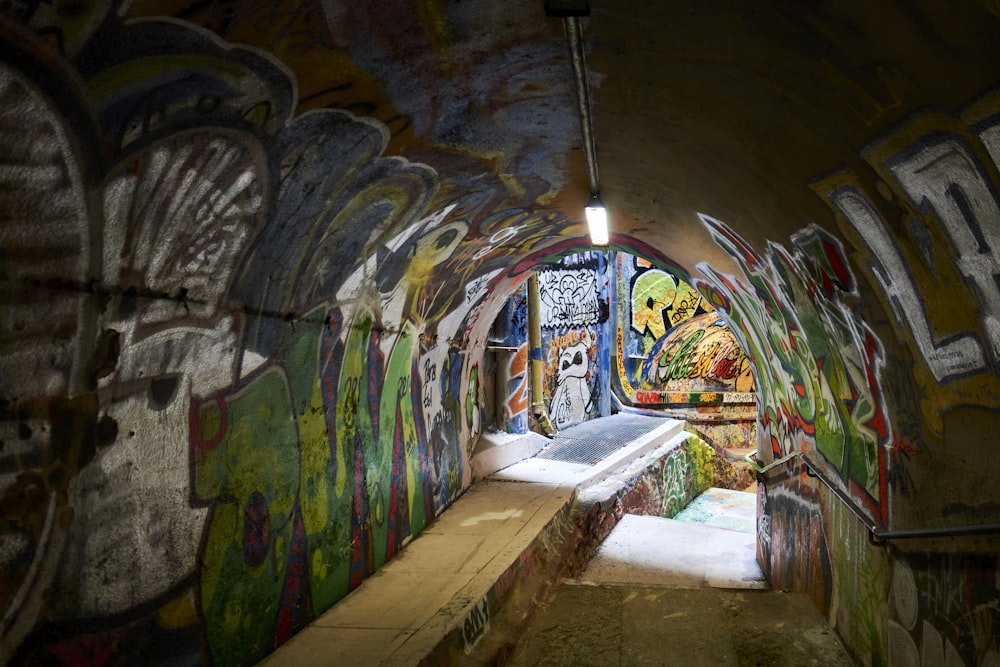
579	474
490	555
438	595
496	451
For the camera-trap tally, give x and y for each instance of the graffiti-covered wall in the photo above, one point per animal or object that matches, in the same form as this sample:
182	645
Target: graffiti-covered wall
699	354
820	396
919	589
250	256
237	374
674	354
574	321
680	477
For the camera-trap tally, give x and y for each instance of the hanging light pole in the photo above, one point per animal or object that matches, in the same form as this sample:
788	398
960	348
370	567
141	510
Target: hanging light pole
596	213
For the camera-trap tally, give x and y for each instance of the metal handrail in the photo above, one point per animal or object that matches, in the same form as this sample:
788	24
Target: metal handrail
882	536
868	521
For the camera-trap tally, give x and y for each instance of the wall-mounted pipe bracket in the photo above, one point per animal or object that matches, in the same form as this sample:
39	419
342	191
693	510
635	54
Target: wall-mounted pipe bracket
749	458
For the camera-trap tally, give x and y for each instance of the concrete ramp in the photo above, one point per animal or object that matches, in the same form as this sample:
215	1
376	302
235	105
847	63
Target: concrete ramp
587	453
592	441
651	550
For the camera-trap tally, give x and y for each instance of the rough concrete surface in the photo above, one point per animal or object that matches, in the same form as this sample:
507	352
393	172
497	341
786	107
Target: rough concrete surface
654	550
603	624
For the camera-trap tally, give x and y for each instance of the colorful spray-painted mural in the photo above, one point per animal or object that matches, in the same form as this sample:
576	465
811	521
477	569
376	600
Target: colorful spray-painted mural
671	338
823	395
258	387
699	354
911	602
657	301
939	172
251	253
675	354
666	486
794	544
574	316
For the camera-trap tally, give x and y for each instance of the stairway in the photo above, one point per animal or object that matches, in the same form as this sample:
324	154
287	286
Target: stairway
677	592
712	542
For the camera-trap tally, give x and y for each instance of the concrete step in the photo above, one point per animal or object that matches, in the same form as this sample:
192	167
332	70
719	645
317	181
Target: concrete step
723	508
653	550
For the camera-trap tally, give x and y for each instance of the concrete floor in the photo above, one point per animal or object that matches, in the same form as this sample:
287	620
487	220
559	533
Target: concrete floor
607	625
685	591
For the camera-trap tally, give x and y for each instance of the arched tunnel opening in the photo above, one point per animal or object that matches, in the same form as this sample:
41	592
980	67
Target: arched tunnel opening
256	347
615	335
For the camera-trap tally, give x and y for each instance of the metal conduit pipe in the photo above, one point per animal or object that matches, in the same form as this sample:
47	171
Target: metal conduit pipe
575	36
538	409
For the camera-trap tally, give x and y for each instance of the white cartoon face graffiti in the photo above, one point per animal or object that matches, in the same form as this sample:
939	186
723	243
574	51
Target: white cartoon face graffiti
572	396
573	362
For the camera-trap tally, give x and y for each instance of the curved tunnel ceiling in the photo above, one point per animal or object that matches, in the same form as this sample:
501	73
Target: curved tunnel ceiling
726	108
730	109
352	137
462	118
733	109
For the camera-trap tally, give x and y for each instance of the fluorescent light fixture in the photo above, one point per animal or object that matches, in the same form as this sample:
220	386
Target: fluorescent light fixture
597	220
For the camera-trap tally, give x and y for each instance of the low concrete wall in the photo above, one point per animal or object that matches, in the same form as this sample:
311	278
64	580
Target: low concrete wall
660	483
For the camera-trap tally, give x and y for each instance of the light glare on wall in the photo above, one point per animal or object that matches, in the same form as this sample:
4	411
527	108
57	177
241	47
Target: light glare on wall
597	220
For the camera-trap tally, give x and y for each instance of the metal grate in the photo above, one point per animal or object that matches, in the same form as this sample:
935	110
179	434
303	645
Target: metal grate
591	441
